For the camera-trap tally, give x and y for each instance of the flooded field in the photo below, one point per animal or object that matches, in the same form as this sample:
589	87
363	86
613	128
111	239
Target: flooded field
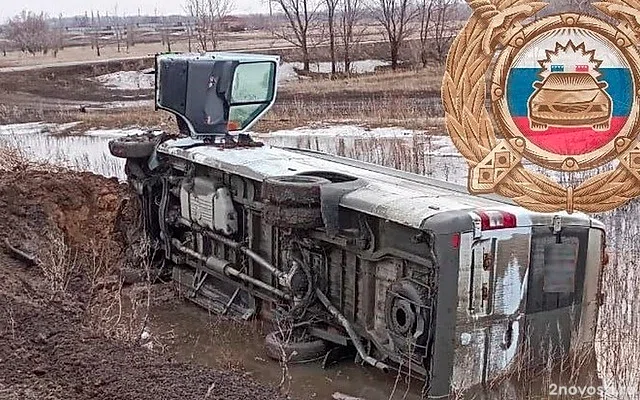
88	152
403	149
189	334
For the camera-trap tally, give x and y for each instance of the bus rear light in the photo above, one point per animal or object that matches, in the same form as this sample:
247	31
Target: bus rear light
455	240
496	220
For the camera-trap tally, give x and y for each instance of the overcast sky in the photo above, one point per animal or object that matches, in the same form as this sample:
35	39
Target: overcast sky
125	7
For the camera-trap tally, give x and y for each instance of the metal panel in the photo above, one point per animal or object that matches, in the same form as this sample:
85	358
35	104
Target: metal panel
469	357
350	286
444	346
405	198
387	272
537	298
336	277
560	261
501	353
464	279
490	311
585	335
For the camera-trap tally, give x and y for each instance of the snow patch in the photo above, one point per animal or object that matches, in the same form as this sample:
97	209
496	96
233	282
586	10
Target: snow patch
129	104
128	80
336	131
26	128
342	396
36	127
288	73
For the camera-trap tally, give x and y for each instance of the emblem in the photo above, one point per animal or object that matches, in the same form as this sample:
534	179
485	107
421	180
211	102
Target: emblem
560	92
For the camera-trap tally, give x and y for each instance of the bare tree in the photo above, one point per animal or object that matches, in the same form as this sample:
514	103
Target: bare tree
331	19
425	12
445	24
351	15
57	37
30	32
189	28
197	10
165	34
96	32
395	17
208	16
218	10
302	17
117	27
130	32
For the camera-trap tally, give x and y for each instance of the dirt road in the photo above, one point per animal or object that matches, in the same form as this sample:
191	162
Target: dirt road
246	48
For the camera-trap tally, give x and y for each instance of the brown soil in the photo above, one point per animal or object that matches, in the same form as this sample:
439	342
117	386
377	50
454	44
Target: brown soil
48	348
86	210
72	83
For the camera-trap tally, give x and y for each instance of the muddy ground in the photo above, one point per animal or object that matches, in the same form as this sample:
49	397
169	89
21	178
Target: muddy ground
66	93
60	335
72	82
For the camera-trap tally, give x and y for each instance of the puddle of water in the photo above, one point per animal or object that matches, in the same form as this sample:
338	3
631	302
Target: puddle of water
84	153
221	343
287	72
89	152
190	334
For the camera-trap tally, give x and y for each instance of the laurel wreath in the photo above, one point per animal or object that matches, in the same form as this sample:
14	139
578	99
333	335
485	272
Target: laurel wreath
469	124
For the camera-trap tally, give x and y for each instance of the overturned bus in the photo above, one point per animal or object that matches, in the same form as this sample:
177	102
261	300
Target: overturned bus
413	273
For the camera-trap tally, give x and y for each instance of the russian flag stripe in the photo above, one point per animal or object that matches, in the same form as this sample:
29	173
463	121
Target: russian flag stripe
520	89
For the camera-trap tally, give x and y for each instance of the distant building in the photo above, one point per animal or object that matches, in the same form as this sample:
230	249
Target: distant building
231	23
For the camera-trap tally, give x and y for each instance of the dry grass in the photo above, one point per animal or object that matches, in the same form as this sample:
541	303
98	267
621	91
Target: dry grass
115	118
116	311
619	328
409	99
58	262
110	51
372	113
145	117
390	82
298	113
15	113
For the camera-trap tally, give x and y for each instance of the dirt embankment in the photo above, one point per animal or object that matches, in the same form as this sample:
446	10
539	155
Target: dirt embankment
52	346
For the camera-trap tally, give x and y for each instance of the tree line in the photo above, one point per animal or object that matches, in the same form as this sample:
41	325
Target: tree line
35	33
340	25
